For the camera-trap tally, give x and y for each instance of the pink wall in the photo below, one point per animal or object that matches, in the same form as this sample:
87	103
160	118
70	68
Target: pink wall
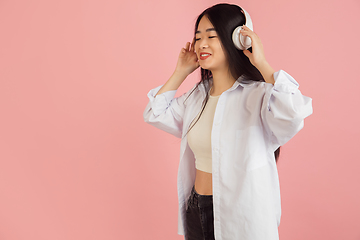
78	162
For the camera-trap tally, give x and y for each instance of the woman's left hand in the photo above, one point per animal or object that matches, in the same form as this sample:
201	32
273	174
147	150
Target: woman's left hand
257	57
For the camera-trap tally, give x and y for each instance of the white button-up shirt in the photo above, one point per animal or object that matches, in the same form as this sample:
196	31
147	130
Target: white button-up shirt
252	119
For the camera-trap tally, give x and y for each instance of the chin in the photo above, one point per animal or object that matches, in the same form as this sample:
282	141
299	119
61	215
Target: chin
204	66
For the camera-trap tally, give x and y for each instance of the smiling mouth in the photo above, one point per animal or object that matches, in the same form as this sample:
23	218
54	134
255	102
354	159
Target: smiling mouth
204	56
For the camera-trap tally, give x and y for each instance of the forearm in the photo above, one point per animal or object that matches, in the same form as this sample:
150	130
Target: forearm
267	72
173	83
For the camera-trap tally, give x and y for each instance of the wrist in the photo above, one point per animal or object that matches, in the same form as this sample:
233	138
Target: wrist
266	71
180	75
262	65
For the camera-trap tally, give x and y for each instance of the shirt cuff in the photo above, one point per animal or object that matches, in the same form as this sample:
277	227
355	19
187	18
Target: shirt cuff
161	101
284	82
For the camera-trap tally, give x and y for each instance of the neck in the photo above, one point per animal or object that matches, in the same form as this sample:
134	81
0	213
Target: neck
222	81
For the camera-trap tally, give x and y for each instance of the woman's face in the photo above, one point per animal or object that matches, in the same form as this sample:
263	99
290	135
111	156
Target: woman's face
208	47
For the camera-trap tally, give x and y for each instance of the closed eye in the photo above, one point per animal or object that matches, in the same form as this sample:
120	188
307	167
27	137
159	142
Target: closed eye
197	39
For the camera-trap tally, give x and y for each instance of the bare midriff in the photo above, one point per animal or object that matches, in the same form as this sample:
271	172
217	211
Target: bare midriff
203	182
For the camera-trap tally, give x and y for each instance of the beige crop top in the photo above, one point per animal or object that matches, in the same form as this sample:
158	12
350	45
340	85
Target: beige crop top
199	137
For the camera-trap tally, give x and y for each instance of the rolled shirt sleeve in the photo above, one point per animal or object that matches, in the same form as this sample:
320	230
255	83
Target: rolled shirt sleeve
165	112
161	101
284	108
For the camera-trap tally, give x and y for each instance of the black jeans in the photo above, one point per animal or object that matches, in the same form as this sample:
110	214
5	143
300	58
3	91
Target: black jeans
199	217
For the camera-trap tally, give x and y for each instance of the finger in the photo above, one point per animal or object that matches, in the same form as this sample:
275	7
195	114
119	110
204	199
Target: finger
187	46
192	45
249	34
247	53
246	27
246	30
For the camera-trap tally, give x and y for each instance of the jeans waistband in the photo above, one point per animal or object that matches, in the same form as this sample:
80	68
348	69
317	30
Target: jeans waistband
200	200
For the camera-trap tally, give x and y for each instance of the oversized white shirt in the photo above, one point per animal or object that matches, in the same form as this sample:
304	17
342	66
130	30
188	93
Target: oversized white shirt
252	119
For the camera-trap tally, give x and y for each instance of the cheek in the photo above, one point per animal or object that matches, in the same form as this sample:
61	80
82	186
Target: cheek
221	52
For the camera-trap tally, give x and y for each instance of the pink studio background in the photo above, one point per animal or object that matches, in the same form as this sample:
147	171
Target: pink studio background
77	160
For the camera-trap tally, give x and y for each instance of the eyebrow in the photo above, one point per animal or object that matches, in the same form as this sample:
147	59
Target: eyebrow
207	30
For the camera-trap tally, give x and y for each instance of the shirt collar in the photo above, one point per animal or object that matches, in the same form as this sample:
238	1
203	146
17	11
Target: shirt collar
241	81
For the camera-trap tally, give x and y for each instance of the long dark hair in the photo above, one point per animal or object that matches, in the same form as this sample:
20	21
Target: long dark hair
225	18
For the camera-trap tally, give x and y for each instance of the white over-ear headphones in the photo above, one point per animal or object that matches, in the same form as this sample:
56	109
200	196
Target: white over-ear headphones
242	42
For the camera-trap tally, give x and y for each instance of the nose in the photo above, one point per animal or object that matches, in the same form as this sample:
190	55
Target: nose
203	44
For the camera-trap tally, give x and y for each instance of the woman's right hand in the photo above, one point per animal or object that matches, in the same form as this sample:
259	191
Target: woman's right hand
186	64
188	60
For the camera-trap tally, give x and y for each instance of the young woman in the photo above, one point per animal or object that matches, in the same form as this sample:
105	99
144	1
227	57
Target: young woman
232	124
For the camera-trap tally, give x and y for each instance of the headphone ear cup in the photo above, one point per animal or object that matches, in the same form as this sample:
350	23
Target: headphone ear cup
241	42
236	38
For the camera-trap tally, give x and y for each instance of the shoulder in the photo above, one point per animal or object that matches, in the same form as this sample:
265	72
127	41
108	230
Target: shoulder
252	92
253	86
